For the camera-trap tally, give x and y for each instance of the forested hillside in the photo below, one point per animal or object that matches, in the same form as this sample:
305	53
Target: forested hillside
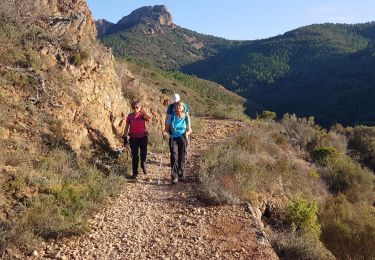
322	70
169	48
206	97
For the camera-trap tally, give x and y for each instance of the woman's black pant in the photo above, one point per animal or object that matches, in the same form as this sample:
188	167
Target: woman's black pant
136	144
177	148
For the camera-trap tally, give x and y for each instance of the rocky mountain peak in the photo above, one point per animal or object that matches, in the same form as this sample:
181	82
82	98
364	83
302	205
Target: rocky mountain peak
157	13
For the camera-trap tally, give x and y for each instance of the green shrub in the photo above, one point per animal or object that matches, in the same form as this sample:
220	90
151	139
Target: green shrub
18	78
78	58
249	142
324	155
313	174
306	135
348	230
348	177
337	140
225	111
67	191
302	215
294	245
50	217
10	40
280	139
362	142
14	233
267	115
252	163
302	132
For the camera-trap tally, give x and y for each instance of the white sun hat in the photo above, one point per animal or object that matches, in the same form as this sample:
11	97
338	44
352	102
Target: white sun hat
176	97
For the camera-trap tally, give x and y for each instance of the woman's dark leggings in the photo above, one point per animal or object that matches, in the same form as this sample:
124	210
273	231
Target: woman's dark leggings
177	148
136	144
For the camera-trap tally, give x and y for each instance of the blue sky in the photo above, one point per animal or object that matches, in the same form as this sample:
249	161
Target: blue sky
245	19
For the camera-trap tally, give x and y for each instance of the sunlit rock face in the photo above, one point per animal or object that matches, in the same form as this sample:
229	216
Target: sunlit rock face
158	13
84	116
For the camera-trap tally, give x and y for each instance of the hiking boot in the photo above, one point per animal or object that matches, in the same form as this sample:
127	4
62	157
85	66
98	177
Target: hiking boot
133	177
144	169
174	181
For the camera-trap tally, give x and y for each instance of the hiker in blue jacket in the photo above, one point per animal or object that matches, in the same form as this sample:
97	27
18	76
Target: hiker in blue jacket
179	126
172	107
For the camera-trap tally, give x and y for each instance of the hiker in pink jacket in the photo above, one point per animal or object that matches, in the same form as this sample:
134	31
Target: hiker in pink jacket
136	135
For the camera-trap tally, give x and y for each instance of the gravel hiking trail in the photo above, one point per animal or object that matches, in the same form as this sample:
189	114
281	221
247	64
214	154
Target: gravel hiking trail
168	221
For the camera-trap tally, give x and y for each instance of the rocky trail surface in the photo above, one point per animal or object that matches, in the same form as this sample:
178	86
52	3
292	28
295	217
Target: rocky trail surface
150	221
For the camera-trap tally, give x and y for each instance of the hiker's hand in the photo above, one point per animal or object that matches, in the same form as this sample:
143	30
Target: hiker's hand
188	133
165	134
144	114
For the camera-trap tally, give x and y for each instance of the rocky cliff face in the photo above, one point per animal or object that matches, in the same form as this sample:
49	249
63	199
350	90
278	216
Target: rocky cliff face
154	17
158	13
73	16
95	80
83	91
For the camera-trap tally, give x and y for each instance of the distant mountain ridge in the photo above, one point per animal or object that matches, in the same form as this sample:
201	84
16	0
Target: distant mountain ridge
321	70
324	70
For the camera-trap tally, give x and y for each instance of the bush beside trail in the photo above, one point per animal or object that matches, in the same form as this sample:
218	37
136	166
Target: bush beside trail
57	193
263	166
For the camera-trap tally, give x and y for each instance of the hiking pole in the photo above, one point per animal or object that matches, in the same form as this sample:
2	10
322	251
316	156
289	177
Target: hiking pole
161	160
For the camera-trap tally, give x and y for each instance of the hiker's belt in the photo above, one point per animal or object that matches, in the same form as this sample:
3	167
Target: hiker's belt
178	138
138	135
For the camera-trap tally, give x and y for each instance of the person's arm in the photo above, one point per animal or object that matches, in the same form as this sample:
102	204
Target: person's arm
126	130
166	120
188	125
165	132
167	126
169	112
146	116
